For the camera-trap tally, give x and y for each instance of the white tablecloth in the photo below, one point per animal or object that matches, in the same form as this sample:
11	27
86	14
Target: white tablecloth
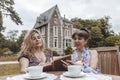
89	76
22	77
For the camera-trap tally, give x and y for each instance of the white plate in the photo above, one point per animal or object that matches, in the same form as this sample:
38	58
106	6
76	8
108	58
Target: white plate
74	76
42	75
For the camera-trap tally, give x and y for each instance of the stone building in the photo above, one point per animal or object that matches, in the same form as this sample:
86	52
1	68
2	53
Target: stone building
56	30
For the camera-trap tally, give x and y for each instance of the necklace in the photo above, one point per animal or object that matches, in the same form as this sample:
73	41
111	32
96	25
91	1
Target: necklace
79	53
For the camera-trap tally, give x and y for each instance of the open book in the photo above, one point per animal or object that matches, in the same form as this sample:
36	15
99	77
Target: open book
58	64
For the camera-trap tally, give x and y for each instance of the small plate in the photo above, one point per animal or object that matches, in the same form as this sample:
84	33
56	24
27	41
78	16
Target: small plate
74	76
42	75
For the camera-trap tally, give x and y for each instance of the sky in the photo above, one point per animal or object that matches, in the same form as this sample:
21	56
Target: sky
29	10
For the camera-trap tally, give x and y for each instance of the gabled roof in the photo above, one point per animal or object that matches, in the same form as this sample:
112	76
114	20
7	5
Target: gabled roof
47	14
45	17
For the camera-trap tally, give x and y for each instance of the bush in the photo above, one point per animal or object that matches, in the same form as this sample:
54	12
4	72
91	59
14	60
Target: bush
68	50
4	51
55	53
113	41
48	49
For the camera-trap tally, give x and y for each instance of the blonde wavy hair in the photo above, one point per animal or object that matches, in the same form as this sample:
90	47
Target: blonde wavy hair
27	47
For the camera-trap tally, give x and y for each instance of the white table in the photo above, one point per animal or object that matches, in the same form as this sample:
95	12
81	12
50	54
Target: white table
57	75
44	76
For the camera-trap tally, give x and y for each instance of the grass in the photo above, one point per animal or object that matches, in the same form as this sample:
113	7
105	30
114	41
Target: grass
9	69
8	58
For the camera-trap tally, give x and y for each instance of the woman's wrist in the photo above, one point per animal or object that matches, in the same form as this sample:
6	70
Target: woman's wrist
79	63
42	64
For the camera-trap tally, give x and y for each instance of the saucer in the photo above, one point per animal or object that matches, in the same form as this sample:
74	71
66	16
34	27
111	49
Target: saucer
41	76
67	74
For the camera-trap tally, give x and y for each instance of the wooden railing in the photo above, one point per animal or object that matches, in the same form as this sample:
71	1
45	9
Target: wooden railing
109	60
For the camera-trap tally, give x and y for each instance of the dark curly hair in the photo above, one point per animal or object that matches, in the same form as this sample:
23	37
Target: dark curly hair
83	32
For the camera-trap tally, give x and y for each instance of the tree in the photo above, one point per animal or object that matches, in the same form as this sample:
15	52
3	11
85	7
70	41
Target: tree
2	40
12	40
12	35
77	23
103	24
1	21
113	40
20	39
6	8
96	37
99	28
83	23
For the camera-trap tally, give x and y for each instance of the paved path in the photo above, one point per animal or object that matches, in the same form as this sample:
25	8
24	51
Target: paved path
9	62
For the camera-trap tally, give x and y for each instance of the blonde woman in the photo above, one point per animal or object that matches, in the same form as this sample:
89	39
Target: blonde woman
32	50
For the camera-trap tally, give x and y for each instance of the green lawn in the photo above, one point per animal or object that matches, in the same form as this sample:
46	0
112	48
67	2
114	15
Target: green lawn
9	69
8	58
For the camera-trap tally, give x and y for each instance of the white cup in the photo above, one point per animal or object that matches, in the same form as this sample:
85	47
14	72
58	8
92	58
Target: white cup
74	70
34	71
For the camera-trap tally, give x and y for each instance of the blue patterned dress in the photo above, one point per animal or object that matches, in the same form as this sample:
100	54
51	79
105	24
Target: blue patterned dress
85	58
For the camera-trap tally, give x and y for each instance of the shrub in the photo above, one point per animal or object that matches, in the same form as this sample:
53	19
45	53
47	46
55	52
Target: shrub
68	50
4	51
55	53
113	41
48	49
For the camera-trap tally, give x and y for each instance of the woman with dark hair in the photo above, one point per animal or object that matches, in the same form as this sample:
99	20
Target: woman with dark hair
82	56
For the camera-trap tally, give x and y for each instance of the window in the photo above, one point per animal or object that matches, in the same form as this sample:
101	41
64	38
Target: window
55	29
68	42
55	22
44	39
67	33
42	30
55	42
55	15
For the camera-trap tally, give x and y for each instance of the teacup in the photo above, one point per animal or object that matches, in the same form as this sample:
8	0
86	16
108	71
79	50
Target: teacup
34	71
74	70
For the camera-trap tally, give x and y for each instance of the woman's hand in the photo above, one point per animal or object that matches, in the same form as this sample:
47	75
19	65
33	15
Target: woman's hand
79	63
69	62
76	63
44	64
24	63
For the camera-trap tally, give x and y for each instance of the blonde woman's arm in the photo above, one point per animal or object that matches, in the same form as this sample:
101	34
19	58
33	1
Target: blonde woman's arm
94	59
24	63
